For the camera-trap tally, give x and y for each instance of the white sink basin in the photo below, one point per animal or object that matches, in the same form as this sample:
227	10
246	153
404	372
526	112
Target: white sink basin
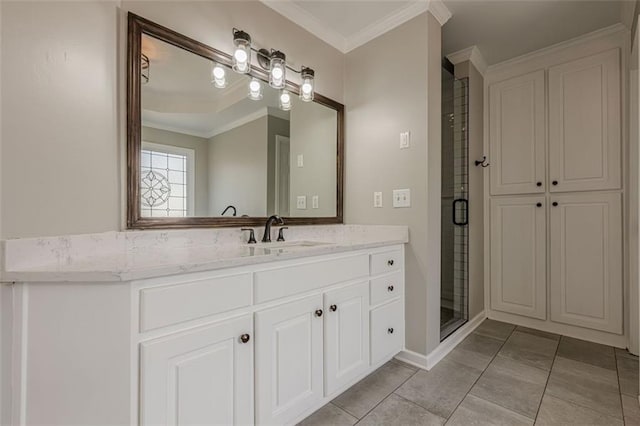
285	246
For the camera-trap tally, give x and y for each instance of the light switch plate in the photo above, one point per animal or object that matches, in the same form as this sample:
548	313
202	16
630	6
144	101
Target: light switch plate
314	202
401	198
300	160
301	203
405	140
377	199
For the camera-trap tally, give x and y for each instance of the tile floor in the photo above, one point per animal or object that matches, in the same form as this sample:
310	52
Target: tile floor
499	375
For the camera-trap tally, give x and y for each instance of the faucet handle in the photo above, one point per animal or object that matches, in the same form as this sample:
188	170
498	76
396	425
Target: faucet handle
280	233
252	236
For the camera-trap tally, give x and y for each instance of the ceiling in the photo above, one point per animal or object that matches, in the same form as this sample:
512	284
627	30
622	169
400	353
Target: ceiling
500	29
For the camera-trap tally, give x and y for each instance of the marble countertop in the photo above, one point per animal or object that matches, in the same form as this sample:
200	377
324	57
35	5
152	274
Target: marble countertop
134	255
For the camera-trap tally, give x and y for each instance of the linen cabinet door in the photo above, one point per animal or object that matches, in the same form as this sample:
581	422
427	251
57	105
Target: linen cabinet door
518	256
346	332
200	376
586	260
288	360
585	123
517	135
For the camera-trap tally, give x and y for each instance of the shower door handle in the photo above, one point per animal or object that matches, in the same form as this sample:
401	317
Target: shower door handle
465	209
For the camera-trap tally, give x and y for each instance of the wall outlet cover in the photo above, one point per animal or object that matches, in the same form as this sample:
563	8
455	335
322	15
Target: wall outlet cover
405	140
300	160
301	203
377	199
315	202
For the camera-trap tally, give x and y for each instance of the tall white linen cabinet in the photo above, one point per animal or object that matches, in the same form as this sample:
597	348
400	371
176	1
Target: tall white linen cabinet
555	185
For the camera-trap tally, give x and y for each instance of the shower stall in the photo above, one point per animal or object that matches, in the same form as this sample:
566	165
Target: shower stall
454	285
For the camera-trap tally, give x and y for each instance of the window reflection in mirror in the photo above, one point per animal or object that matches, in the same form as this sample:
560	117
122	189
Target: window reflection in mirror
205	148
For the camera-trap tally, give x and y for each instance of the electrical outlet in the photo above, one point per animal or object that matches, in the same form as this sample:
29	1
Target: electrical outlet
300	160
314	202
301	202
377	199
401	198
405	140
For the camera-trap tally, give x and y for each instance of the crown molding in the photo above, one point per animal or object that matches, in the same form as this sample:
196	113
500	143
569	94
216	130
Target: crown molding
585	38
439	11
471	54
306	20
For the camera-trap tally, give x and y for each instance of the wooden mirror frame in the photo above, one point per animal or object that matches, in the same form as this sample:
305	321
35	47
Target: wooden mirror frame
137	26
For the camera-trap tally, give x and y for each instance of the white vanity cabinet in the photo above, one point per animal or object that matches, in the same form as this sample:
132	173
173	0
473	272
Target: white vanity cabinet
297	334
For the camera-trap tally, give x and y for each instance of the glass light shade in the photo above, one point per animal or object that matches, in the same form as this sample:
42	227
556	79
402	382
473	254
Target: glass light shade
285	100
277	70
255	89
241	52
307	86
218	76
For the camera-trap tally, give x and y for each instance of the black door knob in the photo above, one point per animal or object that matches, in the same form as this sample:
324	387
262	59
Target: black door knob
333	308
390	330
390	288
555	204
318	312
539	205
390	262
245	338
538	183
555	182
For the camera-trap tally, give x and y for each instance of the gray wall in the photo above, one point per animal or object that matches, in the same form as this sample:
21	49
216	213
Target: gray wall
275	126
201	148
476	186
383	99
238	169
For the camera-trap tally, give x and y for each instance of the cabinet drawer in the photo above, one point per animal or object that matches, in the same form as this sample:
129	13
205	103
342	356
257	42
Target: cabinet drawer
282	282
387	331
172	304
386	262
386	288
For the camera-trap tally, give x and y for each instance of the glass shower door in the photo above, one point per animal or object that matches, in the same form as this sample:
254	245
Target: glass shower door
454	287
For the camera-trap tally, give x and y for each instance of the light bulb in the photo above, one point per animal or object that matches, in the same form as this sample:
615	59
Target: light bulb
285	100
218	76
240	55
306	88
242	52
255	90
277	73
218	72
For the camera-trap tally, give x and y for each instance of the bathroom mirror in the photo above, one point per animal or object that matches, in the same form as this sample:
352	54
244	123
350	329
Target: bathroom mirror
202	153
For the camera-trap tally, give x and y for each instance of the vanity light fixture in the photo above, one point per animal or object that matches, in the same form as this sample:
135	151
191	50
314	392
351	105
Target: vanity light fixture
285	100
144	68
241	52
277	70
306	88
275	63
218	76
255	89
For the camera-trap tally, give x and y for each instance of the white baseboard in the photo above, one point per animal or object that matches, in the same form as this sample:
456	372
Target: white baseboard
429	361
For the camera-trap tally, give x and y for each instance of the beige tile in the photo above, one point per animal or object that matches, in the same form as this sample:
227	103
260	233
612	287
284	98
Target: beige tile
512	385
475	411
398	411
556	412
404	364
329	415
585	385
631	410
530	349
496	329
367	393
475	351
628	375
588	352
442	388
538	333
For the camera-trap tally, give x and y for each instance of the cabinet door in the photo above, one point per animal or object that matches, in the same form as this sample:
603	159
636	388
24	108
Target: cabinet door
346	335
584	123
586	261
200	376
518	256
517	135
288	360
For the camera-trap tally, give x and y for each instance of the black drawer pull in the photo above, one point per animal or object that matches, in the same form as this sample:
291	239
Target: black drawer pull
390	288
390	330
390	262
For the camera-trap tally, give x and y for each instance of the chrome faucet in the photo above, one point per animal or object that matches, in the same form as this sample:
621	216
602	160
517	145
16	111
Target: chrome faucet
266	238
